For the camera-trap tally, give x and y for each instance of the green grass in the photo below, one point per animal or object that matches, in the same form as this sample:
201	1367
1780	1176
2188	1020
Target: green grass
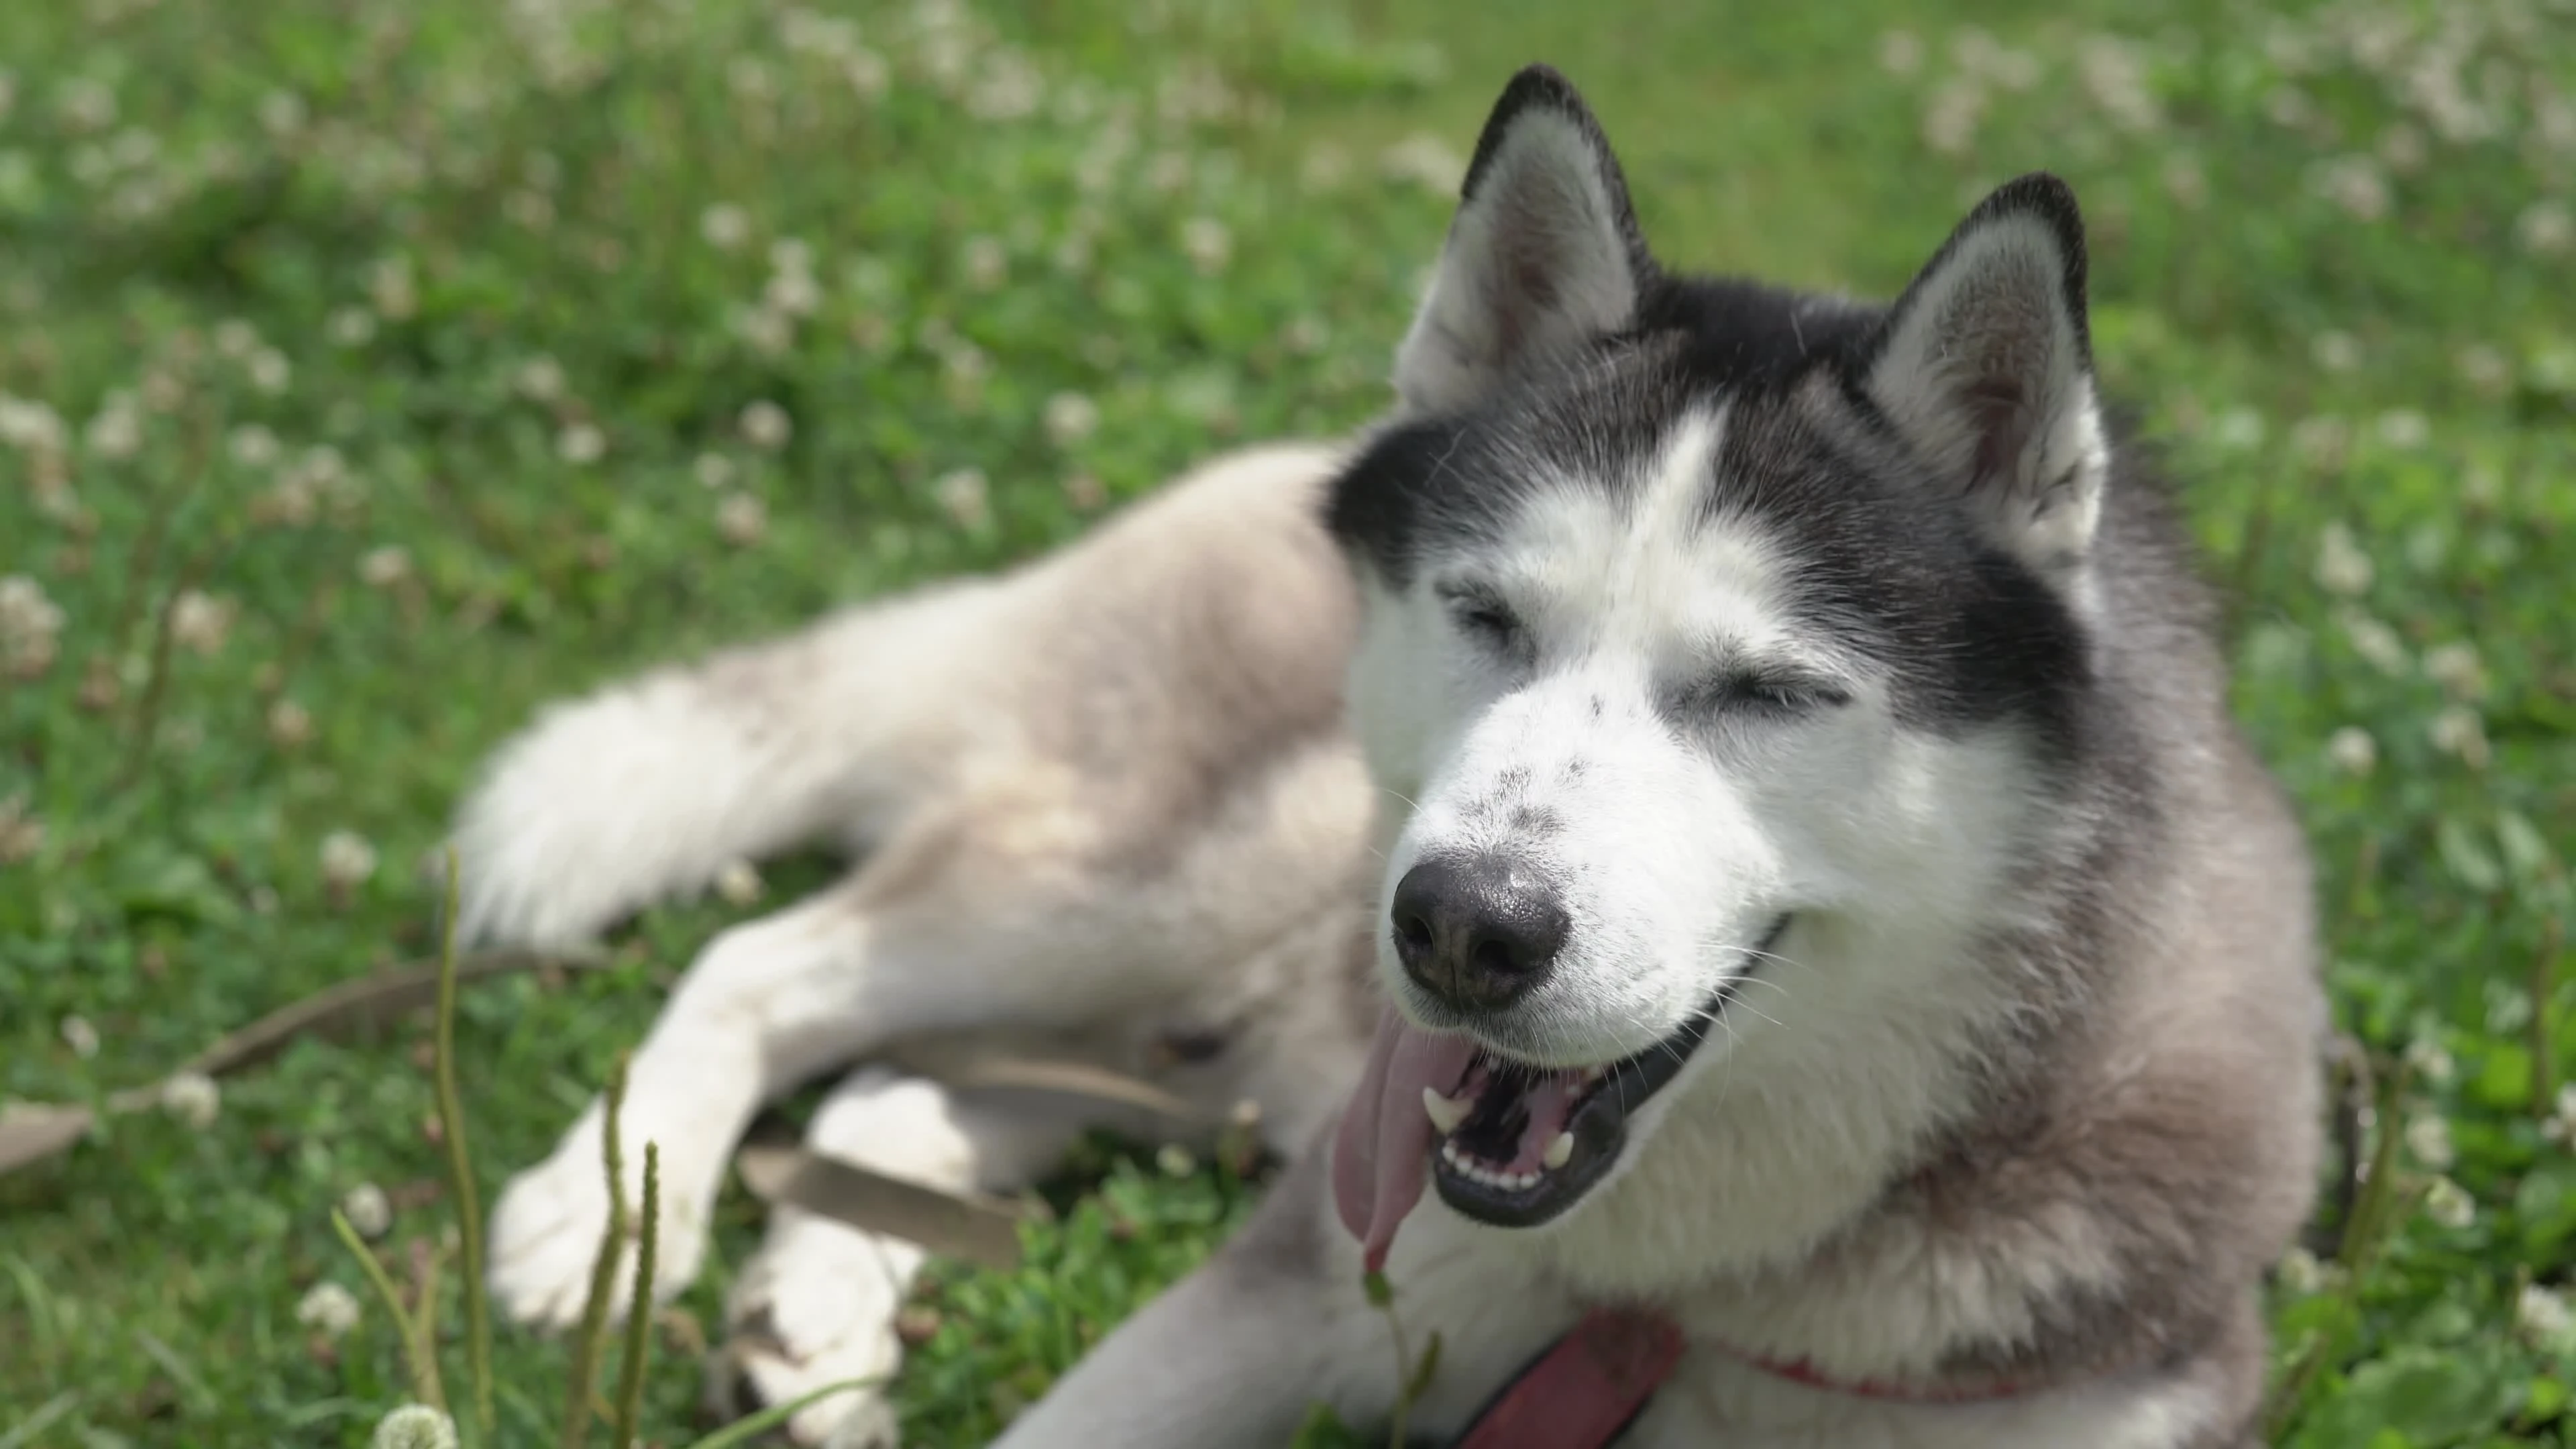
284	287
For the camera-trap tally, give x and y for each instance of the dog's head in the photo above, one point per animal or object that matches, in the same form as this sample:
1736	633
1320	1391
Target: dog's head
1699	617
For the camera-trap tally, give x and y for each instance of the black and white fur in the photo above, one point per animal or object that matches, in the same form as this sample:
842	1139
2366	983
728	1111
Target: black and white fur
1828	671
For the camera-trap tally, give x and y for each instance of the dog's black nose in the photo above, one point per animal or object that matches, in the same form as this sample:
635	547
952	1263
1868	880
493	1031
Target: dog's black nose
1476	932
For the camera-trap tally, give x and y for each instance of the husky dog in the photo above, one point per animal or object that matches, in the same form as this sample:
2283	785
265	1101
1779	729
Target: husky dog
1787	871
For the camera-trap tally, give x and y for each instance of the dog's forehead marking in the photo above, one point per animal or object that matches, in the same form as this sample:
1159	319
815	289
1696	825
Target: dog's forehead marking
1646	564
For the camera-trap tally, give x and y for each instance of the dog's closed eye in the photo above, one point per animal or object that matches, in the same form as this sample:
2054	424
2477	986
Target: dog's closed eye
1483	615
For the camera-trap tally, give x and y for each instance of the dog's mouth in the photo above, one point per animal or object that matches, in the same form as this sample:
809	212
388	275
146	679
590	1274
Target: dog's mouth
1508	1142
1519	1144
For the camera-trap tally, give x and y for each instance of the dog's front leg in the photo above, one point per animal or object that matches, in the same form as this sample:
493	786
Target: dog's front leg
766	1004
1240	1352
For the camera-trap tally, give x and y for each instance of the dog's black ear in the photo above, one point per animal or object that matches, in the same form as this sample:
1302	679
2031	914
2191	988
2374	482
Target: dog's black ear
1543	257
1985	366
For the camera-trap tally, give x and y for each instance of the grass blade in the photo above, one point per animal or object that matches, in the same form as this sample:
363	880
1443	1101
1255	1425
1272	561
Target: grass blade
424	1365
745	1429
460	1172
47	1414
603	1273
639	1310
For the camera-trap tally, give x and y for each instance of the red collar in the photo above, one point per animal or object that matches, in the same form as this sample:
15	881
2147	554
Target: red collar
1581	1393
1592	1384
1800	1371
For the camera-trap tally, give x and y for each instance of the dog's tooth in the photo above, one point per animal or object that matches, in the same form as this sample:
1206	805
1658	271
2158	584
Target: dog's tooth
1446	1112
1560	1150
1525	1181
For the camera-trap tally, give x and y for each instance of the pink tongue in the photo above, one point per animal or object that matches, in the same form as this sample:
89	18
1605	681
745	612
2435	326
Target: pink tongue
1382	1156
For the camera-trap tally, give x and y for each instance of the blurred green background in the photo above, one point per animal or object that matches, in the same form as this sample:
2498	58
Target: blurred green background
373	371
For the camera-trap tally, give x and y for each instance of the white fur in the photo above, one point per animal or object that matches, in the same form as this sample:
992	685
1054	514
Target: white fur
647	790
816	1305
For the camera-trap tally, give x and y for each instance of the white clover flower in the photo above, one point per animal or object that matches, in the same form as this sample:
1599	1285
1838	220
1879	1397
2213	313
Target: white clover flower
2301	1273
382	568
350	327
253	446
80	1036
281	113
117	430
790	256
2355	184
2186	183
742	518
86	105
1950	121
768	330
540	379
2561	1125
2115	74
2449	1204
581	443
1070	418
390	287
792	294
984	262
31	627
739	883
2545	229
2342	567
1175	1160
1425	160
2335	351
289	724
2430	1061
1209	244
30	425
867	73
766	426
724	226
347	859
964	497
713	470
193	1098
2352	750
368	1210
202	622
2428	1138
2374	641
21	834
2485	369
1325	168
532	210
2542	1316
414	1426
2459	731
328	1309
2456	667
1900	52
2404	428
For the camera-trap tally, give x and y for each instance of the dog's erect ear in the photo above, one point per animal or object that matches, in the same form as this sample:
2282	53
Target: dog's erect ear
1543	257
1986	368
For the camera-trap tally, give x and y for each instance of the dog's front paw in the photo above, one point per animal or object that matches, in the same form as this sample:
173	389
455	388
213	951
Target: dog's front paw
816	1307
547	1228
